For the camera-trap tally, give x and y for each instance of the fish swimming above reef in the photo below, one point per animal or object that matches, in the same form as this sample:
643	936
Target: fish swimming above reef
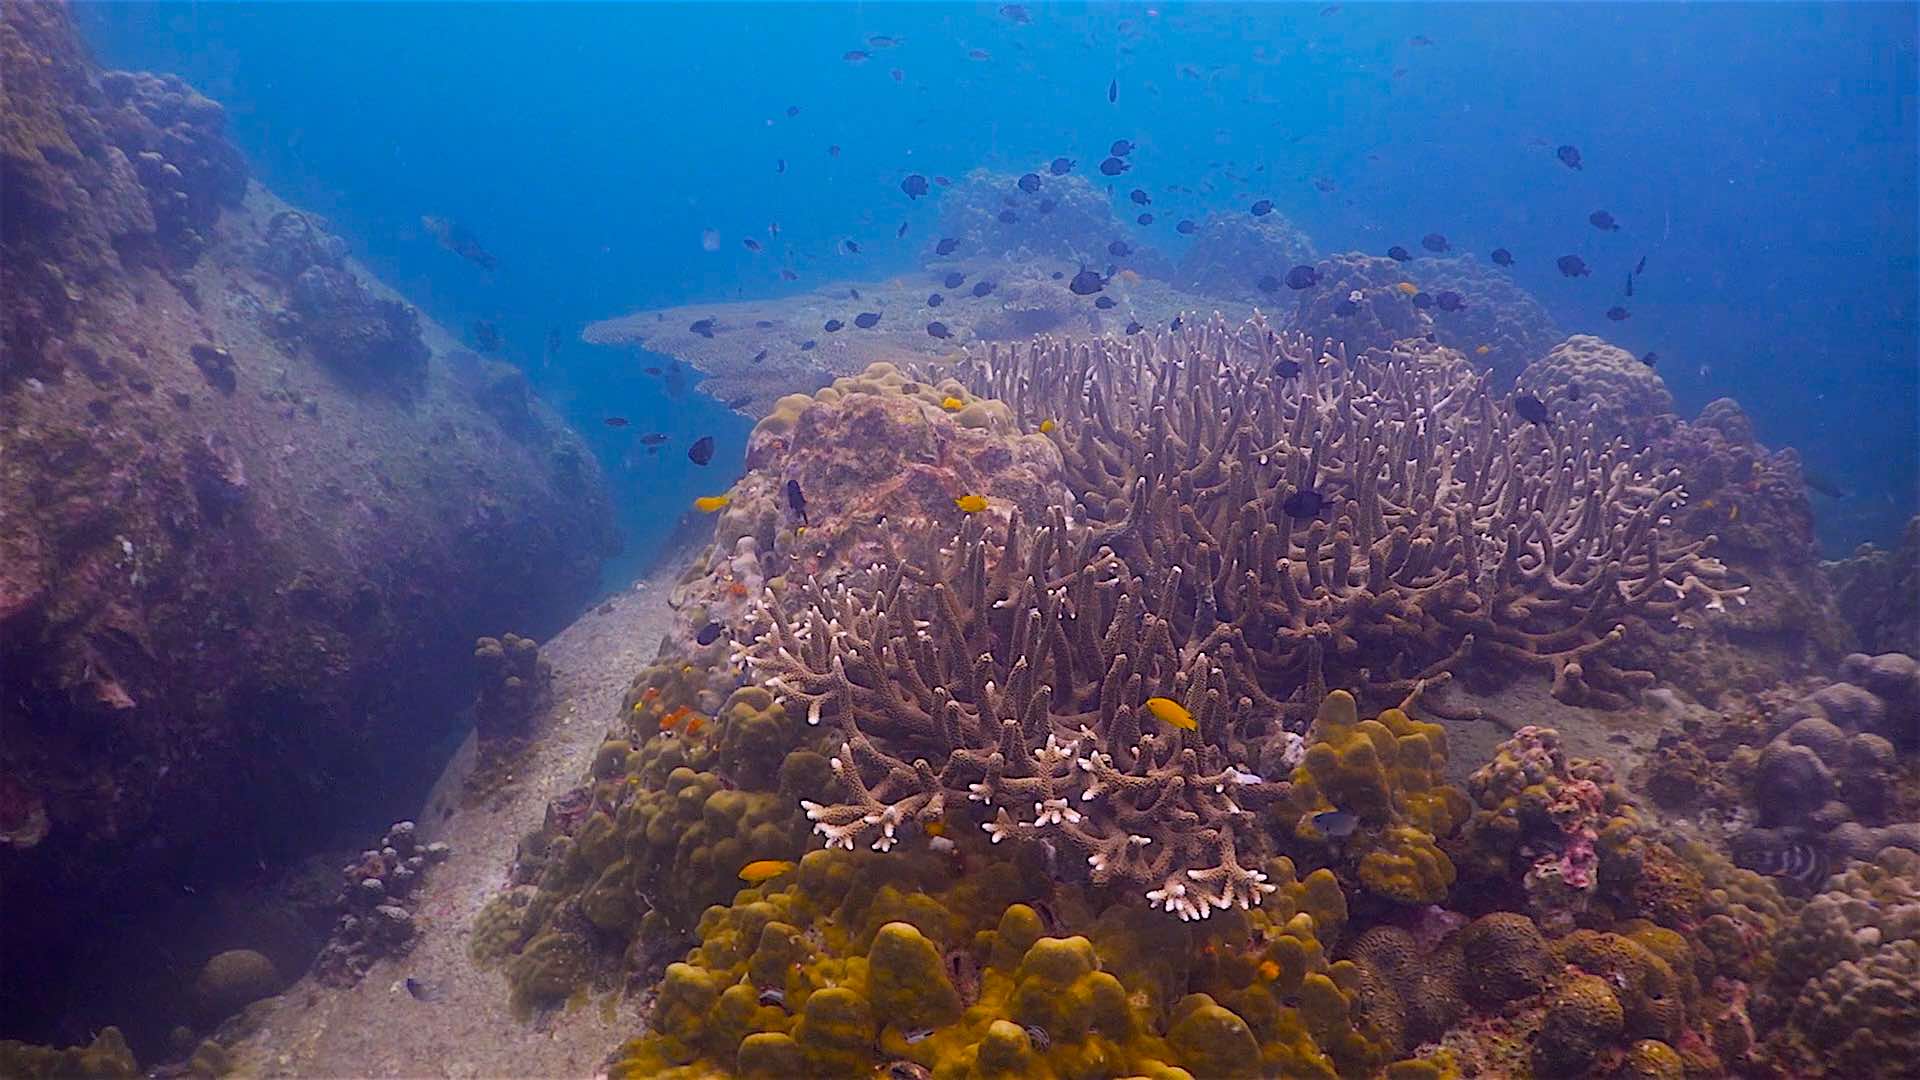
867	320
1140	197
1061	166
1113	90
1569	156
1287	369
1618	314
1399	254
982	288
1602	220
701	451
456	238
1087	282
1336	824
709	633
1262	208
1172	713
1434	242
1448	300
1121	148
1186	227
653	438
797	500
1501	257
708	504
832	326
938	330
761	871
703	327
1030	182
1794	860
1144	219
1016	14
1531	409
1113	166
1572	266
1302	277
1303	504
946	246
935	299
971	504
953	279
616	421
914	185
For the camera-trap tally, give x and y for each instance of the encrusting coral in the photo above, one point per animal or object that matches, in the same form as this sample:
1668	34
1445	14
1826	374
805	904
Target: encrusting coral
1384	508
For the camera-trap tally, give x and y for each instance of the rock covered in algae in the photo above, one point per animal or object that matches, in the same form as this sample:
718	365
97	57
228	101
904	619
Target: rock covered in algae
105	1058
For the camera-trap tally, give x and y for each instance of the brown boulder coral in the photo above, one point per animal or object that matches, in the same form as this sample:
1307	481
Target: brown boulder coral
1620	396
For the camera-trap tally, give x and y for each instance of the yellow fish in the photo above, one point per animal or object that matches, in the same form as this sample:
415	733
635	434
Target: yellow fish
1046	426
1482	351
707	504
953	404
971	504
765	870
1171	712
1131	277
1407	288
1269	970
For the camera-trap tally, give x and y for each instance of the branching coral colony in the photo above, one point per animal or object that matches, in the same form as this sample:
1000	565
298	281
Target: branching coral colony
1255	514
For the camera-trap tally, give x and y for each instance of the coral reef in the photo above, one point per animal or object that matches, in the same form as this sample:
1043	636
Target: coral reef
1230	253
515	683
1620	396
375	904
105	1058
1502	328
1878	591
1359	304
351	329
1485	549
1068	219
223	566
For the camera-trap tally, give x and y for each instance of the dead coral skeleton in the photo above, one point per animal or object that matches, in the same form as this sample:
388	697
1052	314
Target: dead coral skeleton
1434	530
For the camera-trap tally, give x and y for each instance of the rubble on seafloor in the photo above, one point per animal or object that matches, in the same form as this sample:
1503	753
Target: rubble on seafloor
376	904
1124	762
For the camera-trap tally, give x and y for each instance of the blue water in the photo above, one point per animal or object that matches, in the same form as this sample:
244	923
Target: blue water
1761	156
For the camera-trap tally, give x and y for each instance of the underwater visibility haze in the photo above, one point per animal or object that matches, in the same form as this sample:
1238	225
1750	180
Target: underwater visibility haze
935	540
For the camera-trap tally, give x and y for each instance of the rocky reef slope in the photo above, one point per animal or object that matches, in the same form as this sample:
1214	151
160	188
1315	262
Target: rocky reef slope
248	500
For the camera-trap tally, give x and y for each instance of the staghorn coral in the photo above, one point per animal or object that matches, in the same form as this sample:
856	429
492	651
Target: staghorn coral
1451	537
917	965
1027	684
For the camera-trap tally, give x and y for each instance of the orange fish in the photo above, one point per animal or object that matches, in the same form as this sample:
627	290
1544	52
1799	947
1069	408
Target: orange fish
668	721
737	588
649	693
935	828
695	723
1269	970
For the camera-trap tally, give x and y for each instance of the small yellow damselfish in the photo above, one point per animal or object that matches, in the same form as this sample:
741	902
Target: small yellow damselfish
1407	288
953	404
1046	426
707	504
1482	351
765	870
971	504
1171	712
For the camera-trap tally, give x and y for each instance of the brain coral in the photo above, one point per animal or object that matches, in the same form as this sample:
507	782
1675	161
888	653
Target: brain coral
1513	327
1621	396
1231	252
1383	313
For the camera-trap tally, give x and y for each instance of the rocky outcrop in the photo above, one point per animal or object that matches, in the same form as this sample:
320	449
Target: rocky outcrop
248	512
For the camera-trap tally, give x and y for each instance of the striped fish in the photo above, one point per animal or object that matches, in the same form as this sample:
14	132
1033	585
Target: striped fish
1795	860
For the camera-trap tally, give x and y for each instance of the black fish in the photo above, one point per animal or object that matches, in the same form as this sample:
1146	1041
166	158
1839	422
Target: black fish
1650	359
1174	323
953	279
751	244
1641	266
853	293
1262	208
1008	217
1120	148
1398	254
1186	227
982	288
793	111
852	248
764	324
1113	166
808	345
1569	156
901	231
1105	303
1572	266
1303	504
1030	183
1113	91
1450	301
1302	277
1530	408
701	451
946	246
1140	197
780	165
1144	219
711	632
1287	369
1629	284
615	421
855	56
1502	257
653	438
1434	242
1795	860
703	327
1618	313
867	320
1015	13
1061	166
797	501
938	330
1603	221
1087	282
1423	300
914	185
759	356
935	299
834	150
1119	249
1322	183
833	326
1133	327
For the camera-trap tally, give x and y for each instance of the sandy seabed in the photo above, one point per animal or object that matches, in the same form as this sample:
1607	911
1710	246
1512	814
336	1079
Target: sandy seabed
376	1028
